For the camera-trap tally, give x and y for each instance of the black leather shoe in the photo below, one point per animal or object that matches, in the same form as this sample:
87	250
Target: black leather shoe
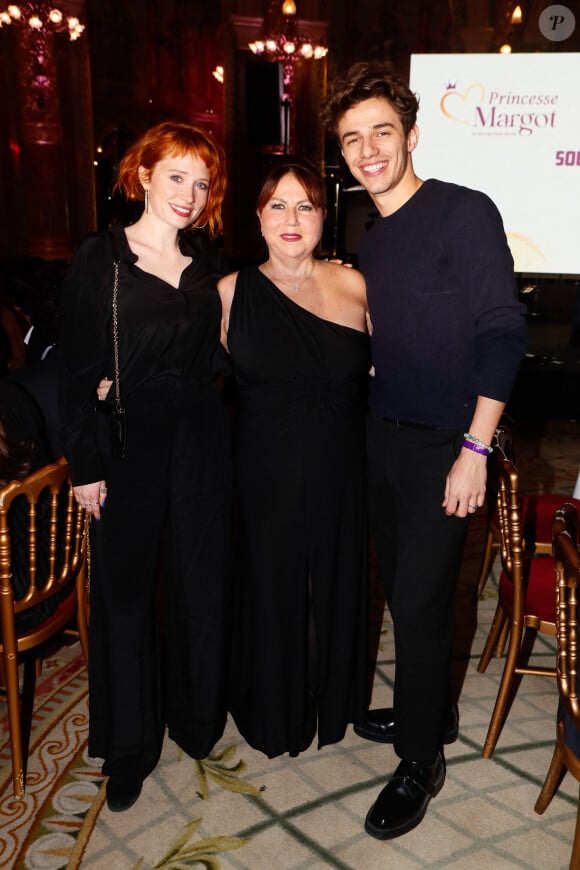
122	793
379	725
401	805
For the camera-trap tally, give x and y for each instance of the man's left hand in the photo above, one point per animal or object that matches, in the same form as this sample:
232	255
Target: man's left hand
465	485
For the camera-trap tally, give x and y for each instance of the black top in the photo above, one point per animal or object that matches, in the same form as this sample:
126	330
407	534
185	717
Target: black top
40	380
163	331
24	429
447	326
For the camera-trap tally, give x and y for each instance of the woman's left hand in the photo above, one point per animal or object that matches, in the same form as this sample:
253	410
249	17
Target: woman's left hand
92	497
103	389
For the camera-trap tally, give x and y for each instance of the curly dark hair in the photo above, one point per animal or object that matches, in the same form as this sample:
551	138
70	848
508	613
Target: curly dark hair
361	82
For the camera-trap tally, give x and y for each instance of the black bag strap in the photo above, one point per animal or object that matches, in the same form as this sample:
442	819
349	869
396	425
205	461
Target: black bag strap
116	263
114	246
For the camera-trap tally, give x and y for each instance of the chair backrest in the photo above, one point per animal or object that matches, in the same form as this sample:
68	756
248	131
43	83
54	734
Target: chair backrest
503	440
508	507
42	546
567	563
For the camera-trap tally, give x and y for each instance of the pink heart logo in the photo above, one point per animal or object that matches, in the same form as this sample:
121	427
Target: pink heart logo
460	106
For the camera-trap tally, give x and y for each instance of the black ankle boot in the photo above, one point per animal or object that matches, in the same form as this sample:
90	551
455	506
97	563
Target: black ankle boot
122	793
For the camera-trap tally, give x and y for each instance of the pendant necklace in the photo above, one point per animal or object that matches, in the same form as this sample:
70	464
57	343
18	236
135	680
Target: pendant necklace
298	285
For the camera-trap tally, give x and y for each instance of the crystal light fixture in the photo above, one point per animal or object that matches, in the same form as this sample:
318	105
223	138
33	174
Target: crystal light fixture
41	16
282	42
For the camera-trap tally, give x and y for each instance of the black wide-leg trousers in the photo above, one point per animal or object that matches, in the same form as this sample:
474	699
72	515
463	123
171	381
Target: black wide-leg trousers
158	657
419	550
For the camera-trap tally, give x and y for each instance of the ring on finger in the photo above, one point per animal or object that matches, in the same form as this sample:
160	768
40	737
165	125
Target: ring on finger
472	507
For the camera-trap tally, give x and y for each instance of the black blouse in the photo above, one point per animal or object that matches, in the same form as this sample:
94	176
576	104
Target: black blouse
163	330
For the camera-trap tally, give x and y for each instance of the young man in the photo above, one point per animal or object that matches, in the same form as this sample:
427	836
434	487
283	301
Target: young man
448	336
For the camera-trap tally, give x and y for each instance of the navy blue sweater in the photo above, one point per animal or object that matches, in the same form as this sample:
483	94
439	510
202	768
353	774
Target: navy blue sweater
447	326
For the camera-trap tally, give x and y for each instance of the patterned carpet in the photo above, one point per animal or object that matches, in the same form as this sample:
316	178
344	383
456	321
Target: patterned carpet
62	783
238	809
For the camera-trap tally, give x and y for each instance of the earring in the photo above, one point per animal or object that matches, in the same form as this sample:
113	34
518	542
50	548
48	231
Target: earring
146	200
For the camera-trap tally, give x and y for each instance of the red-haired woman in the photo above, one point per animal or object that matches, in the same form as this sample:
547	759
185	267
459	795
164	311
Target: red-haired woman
173	484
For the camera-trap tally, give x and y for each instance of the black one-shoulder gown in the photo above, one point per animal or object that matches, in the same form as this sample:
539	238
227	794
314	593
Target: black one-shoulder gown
300	591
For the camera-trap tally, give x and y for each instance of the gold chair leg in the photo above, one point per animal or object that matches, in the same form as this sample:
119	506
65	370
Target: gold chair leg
575	859
82	614
501	644
554	776
14	726
486	563
504	693
495	631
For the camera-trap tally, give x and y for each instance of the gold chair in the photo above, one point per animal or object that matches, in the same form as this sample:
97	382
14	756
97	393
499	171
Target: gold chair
537	512
525	599
567	750
42	542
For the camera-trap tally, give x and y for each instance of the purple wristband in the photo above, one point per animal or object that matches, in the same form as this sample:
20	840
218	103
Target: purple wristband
476	448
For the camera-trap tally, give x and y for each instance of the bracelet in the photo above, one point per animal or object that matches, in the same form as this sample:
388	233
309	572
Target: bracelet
476	448
473	440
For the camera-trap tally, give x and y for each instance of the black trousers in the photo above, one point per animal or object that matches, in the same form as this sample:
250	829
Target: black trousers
419	551
174	486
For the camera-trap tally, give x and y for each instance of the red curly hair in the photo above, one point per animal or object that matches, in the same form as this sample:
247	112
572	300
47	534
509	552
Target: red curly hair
174	137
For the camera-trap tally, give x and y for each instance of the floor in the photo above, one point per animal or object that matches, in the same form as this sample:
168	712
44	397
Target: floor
240	810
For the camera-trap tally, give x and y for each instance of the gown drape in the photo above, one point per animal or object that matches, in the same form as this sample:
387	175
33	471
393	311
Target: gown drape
299	639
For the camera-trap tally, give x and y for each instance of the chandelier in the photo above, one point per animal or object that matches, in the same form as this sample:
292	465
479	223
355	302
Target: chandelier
42	18
282	42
